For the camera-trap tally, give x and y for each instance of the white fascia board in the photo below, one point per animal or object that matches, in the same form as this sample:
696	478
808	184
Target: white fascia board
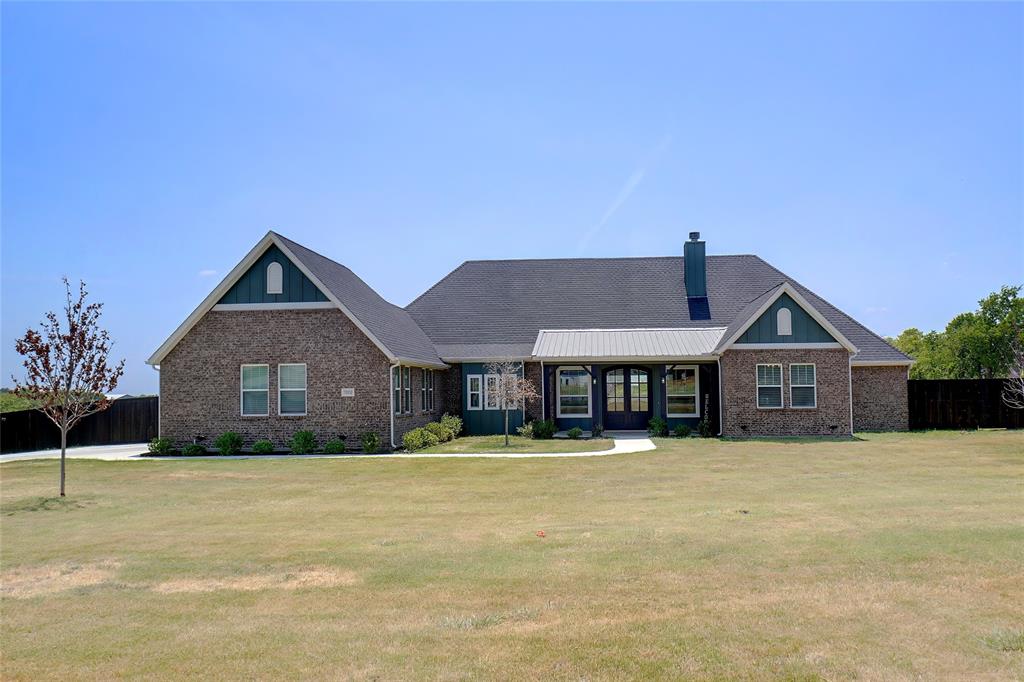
236	273
502	358
211	300
305	305
672	359
409	362
787	346
787	288
882	363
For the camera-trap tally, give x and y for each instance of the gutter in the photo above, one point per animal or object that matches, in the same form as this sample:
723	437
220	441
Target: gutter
391	401
718	361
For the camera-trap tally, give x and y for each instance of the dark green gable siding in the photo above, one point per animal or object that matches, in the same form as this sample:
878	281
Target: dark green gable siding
252	287
485	422
805	328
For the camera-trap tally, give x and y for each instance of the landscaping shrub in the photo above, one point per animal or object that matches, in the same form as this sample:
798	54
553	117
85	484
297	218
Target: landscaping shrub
228	443
526	430
440	431
544	429
193	450
575	433
161	446
704	427
370	442
420	438
303	443
681	431
453	423
334	446
596	430
657	427
263	447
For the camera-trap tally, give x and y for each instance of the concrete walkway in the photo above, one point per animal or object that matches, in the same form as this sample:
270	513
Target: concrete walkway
624	443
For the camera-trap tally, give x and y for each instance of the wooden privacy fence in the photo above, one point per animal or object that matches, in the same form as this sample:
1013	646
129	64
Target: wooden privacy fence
960	404
128	420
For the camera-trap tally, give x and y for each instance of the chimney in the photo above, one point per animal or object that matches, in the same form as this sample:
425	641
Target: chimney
695	268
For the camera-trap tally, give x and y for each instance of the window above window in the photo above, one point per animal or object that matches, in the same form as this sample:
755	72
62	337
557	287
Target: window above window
291	390
255	381
275	278
769	387
573	385
803	389
681	389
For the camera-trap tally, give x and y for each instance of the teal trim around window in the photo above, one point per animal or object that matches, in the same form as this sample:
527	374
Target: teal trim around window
252	286
805	329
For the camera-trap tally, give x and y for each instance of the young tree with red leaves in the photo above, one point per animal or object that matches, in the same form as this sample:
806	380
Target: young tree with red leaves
509	389
66	369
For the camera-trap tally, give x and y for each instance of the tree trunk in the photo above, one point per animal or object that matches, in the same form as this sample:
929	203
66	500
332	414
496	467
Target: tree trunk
506	428
63	454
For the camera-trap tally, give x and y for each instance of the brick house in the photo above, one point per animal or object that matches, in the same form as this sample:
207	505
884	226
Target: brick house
292	340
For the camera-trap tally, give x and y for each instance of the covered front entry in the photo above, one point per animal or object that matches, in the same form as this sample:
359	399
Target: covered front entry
628	398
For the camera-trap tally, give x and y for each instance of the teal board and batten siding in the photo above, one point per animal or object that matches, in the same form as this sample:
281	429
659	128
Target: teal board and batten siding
805	328
252	287
484	422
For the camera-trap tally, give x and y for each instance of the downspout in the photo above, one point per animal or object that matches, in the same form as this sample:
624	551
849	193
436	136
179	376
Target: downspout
543	399
391	401
850	362
718	360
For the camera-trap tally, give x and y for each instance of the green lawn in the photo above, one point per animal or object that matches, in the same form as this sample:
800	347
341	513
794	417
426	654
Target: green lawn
894	557
517	444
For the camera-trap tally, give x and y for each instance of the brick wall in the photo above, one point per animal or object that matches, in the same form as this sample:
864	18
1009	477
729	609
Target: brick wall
880	399
741	416
199	378
531	370
453	390
418	417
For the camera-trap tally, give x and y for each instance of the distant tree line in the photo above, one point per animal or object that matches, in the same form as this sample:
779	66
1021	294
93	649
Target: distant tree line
975	345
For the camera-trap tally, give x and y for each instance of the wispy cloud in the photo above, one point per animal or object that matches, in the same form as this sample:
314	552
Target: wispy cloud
207	273
632	182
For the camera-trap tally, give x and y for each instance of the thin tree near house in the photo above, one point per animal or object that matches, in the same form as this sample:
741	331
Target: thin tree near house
1013	388
67	368
509	389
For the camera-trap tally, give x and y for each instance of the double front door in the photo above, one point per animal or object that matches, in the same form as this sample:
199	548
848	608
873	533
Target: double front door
627	398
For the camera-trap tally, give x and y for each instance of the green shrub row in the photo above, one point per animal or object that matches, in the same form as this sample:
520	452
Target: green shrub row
432	434
302	443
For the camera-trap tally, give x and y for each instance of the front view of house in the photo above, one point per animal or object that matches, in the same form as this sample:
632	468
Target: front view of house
291	340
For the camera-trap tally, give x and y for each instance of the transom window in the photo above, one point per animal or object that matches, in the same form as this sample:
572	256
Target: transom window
681	390
573	385
255	390
275	278
291	390
769	386
474	392
803	390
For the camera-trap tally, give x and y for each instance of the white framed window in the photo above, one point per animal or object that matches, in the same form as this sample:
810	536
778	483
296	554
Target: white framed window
573	387
255	383
803	387
406	390
474	392
291	390
492	396
769	387
682	386
784	322
396	389
275	278
426	389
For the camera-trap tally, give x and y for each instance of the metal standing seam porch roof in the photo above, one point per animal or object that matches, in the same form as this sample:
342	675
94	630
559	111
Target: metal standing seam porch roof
652	344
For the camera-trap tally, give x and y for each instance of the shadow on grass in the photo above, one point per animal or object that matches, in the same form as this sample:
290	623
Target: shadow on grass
36	504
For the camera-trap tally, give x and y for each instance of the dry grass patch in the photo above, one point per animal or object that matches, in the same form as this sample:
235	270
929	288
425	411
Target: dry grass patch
35	581
309	577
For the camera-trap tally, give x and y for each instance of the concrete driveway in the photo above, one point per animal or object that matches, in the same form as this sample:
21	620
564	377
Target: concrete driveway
109	452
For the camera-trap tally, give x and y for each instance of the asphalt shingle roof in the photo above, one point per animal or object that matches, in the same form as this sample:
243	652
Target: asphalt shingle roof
502	302
393	326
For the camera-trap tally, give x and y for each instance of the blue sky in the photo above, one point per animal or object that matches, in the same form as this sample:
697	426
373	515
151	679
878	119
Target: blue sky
874	151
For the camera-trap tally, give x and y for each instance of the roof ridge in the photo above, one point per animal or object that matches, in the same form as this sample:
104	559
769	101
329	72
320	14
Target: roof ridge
596	258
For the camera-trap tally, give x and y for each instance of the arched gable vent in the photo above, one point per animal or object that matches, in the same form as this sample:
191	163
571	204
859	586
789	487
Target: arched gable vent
784	322
274	278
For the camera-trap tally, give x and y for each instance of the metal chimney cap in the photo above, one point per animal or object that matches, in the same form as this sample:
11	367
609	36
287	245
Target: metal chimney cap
694	236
